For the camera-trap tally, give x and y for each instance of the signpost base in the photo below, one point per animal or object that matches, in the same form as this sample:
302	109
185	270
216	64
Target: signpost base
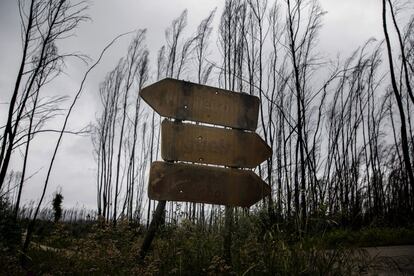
155	223
228	229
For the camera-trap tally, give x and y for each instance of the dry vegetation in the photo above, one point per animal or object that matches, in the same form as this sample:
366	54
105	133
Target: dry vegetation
97	248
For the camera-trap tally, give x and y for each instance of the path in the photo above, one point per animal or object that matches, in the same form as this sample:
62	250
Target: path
391	260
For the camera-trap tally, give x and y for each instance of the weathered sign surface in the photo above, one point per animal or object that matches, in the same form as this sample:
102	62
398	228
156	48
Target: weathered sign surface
212	145
205	184
189	101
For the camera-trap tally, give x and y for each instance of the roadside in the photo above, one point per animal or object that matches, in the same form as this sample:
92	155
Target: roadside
391	260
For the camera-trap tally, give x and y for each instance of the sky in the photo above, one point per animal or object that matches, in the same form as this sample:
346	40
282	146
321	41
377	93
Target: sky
346	26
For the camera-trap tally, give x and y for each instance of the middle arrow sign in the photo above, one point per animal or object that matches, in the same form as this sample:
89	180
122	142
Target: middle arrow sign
211	145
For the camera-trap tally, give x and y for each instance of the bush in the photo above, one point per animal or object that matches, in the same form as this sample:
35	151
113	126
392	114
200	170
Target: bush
10	231
57	206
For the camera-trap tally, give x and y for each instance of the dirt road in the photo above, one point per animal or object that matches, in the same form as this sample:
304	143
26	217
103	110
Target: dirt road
391	260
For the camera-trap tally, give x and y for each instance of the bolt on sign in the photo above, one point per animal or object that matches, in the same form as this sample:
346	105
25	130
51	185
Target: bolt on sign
229	145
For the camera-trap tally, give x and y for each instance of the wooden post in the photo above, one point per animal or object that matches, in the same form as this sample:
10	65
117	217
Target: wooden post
228	227
155	223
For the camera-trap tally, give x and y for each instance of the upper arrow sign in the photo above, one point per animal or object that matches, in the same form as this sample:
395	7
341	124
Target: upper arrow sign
205	184
189	101
211	145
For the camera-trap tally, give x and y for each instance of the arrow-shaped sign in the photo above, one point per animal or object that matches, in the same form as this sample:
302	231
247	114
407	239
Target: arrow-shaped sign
212	145
189	101
205	184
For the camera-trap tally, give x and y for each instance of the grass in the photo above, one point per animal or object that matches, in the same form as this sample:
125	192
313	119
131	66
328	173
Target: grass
188	249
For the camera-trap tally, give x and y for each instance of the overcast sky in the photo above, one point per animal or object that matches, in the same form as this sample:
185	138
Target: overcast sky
347	25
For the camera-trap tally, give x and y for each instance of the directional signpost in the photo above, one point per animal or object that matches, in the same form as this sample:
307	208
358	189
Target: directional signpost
229	145
205	184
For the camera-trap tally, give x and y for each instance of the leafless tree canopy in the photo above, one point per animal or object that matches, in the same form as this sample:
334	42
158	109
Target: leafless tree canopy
341	131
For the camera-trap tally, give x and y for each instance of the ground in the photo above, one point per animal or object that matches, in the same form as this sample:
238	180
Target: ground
189	249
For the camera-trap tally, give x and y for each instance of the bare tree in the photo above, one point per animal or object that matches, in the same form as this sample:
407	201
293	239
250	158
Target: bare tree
132	66
43	23
398	98
173	35
201	48
32	223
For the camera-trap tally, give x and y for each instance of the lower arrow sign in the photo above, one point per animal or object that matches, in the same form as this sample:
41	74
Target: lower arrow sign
205	184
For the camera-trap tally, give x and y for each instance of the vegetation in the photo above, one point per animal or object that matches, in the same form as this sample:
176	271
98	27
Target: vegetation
184	249
10	230
57	206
